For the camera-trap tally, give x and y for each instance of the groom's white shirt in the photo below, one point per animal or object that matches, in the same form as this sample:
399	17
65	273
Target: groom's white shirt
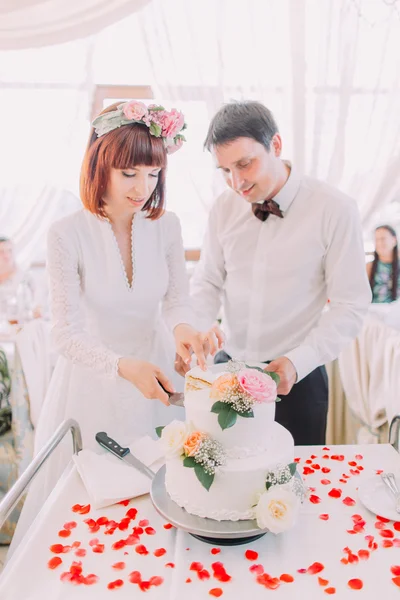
273	278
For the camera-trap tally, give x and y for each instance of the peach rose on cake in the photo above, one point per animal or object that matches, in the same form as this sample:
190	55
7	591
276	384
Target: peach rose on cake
260	386
223	384
192	443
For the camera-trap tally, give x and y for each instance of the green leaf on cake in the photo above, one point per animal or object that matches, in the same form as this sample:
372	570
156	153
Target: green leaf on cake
205	479
268	484
247	415
189	461
159	430
292	468
217	407
274	376
227	417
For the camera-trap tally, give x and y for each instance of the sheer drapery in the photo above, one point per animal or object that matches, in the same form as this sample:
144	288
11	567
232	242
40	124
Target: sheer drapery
328	69
29	23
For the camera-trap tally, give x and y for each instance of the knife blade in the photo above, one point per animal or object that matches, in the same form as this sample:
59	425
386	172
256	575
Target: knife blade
123	453
174	398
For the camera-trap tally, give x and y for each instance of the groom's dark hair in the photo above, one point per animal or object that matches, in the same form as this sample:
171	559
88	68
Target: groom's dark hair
237	119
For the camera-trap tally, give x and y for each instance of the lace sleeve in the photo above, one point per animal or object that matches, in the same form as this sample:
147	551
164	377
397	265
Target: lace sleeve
68	333
176	305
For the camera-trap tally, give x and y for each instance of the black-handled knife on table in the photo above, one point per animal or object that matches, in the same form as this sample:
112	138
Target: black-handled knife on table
123	453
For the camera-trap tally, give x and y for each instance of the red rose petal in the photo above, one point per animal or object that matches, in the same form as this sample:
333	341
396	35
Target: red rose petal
355	584
302	571
396	542
315	466
124	502
322	582
171	565
115	584
379	471
159	552
196	566
57	548
354	471
258	569
80	552
141	549
325	481
352	463
359	456
324	517
216	592
64	533
363	554
143	523
315	568
325	456
124	524
135	577
99	549
387	544
386	533
168	526
118	545
348	501
383	519
286	578
203	575
330	590
395	570
396	525
308	471
296	460
314	499
150	531
335	493
70	525
325	449
188	580
343	480
396	581
54	562
325	470
131	513
215	550
251	555
144	585
156	580
308	461
118	566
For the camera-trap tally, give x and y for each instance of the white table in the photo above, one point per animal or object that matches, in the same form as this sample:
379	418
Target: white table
27	576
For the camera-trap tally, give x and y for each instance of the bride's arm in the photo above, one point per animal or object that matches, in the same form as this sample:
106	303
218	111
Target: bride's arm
65	288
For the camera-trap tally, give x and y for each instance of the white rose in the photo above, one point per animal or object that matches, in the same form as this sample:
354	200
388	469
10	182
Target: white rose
277	509
173	437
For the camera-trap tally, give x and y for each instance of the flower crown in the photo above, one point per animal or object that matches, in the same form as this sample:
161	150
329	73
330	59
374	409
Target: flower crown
161	123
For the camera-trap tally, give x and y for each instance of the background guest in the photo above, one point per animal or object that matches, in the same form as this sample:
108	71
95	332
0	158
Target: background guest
383	271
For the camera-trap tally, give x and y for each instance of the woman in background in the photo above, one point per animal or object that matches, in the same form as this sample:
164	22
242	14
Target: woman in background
383	271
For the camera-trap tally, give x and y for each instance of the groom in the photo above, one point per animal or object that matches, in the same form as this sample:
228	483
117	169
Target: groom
277	247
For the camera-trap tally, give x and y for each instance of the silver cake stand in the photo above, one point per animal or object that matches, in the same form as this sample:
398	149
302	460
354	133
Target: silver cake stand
220	533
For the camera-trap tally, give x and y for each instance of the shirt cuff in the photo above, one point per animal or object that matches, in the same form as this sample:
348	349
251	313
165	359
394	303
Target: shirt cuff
304	359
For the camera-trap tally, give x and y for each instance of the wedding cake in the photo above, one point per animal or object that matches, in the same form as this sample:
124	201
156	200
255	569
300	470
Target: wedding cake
230	460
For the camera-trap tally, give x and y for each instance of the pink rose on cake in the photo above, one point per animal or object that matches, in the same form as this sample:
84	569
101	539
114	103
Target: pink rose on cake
259	386
192	443
135	110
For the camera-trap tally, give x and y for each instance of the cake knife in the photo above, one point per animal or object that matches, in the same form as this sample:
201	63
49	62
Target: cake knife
174	398
124	453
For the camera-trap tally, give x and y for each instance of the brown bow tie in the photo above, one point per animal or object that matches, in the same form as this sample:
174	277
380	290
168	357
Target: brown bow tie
268	207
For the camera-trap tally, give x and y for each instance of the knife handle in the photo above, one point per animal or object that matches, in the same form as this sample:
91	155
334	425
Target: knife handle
104	440
169	394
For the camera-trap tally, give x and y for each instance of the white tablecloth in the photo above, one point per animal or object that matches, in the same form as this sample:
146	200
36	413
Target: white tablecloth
28	577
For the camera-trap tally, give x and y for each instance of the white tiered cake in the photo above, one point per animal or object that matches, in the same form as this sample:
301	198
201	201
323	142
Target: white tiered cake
230	442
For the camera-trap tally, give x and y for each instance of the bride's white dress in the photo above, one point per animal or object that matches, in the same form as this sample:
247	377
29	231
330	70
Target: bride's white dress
97	318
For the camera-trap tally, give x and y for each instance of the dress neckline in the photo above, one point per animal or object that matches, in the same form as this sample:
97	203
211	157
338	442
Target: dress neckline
129	284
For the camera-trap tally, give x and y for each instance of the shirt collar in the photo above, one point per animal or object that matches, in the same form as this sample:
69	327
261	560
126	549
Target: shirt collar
288	192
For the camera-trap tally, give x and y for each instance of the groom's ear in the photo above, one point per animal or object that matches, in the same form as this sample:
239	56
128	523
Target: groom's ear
276	145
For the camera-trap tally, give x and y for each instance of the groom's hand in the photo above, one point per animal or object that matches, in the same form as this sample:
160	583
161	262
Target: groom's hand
283	367
180	366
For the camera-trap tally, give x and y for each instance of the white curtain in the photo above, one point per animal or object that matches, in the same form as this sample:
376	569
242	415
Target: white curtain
328	69
29	23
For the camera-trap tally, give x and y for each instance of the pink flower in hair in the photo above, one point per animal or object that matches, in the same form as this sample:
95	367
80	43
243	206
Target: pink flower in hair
134	110
172	123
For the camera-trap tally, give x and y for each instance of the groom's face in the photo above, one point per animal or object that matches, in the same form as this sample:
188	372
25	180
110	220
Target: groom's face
249	168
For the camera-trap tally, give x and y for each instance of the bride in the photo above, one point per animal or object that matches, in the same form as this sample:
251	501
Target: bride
119	292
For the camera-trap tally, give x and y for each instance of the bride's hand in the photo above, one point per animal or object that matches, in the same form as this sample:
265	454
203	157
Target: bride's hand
146	377
188	340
